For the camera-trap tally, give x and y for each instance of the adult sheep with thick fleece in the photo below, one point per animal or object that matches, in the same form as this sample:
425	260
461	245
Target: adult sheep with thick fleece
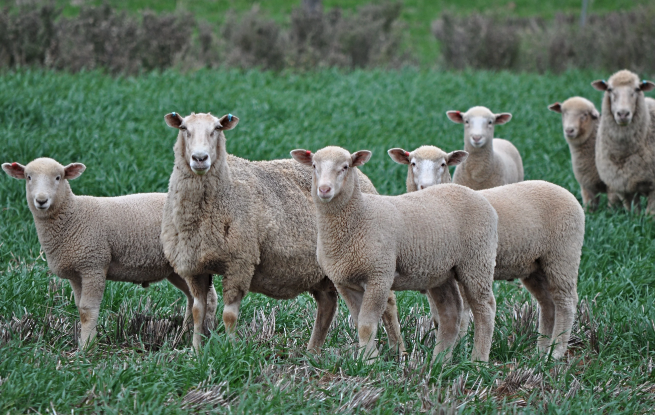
625	147
540	235
492	161
370	244
253	222
580	121
88	240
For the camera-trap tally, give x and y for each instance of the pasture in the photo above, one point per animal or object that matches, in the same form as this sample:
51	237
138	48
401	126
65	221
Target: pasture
141	364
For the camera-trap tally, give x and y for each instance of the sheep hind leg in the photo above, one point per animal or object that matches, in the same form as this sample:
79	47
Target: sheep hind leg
181	284
478	288
392	325
212	305
650	208
466	313
326	309
537	285
446	301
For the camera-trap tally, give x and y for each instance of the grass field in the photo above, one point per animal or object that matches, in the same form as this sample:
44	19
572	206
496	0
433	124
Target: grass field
115	126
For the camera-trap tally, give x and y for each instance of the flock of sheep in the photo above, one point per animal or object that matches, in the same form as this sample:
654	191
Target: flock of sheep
316	224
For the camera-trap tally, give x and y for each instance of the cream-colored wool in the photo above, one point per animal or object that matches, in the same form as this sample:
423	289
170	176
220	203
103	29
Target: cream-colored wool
492	161
428	165
625	147
580	121
540	236
371	244
254	223
88	240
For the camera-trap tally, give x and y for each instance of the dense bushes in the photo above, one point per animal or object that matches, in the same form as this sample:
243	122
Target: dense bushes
608	42
101	37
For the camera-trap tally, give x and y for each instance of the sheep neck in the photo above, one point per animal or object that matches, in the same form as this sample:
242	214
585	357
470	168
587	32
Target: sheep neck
480	162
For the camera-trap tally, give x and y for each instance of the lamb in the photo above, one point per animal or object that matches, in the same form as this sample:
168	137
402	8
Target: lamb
625	148
371	244
580	123
88	240
540	236
492	161
251	222
428	165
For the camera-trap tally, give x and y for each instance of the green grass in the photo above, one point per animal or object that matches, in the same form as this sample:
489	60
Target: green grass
417	15
115	126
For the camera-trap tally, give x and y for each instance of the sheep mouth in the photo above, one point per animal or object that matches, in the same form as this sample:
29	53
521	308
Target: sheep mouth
571	136
325	198
200	170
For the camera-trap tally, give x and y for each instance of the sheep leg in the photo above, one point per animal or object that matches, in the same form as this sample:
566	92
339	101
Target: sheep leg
374	302
466	313
235	287
76	285
565	308
613	198
537	285
631	200
392	325
199	285
353	299
93	288
181	284
589	199
479	293
650	207
212	305
326	308
447	302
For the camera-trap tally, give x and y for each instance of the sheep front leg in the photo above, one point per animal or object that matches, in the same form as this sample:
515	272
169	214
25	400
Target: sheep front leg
446	301
199	285
93	288
181	284
650	207
374	302
235	286
326	308
537	285
589	199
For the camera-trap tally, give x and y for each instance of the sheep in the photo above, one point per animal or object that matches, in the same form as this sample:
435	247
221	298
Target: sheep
540	235
370	244
580	123
491	161
251	222
427	163
88	240
625	147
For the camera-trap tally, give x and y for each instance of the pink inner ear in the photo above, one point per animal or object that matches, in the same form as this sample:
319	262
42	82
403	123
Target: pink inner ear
407	153
14	164
309	153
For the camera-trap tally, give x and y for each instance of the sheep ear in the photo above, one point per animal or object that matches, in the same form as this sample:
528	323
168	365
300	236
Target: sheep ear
556	107
646	86
502	118
456	157
600	85
455	116
15	170
173	120
594	113
228	122
399	155
73	171
360	157
303	156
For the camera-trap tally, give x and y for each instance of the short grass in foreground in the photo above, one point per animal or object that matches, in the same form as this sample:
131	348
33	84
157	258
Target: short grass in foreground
142	364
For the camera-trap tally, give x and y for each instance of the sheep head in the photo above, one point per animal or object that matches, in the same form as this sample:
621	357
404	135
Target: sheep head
46	182
202	136
578	116
333	170
623	90
479	124
428	165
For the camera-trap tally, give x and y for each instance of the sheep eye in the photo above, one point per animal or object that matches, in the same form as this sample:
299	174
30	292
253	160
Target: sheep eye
413	164
58	178
443	164
466	122
489	122
610	90
182	127
29	177
314	166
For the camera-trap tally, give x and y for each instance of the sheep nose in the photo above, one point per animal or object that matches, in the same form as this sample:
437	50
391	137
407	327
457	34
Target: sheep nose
200	157
476	138
623	113
324	189
41	202
570	131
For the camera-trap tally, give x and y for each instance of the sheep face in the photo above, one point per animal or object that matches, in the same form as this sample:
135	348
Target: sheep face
203	137
333	170
578	117
45	182
427	165
624	91
479	124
